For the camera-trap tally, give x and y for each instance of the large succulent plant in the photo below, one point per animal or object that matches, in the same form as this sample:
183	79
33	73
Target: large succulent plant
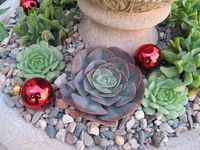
108	86
185	14
40	60
164	95
185	55
49	23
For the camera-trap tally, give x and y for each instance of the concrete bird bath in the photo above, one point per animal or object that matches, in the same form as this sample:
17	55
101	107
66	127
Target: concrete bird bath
126	24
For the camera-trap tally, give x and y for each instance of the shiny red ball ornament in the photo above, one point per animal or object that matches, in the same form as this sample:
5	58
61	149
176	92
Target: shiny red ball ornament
148	56
29	4
37	93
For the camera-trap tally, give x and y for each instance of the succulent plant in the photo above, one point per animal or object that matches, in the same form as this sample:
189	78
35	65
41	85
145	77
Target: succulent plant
164	95
107	85
185	14
3	31
40	60
49	23
185	55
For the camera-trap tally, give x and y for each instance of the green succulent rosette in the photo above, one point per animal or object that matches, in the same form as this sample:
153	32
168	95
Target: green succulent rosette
40	60
164	95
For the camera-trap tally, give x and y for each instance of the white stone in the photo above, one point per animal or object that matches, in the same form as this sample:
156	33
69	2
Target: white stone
130	123
42	124
134	144
139	115
60	80
61	134
119	140
80	145
93	129
157	122
67	119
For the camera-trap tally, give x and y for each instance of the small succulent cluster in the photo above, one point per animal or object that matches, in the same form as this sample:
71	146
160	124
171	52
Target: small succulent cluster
164	95
40	60
185	14
50	23
185	55
107	85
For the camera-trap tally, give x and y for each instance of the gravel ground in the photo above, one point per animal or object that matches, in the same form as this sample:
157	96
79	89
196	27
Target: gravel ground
66	125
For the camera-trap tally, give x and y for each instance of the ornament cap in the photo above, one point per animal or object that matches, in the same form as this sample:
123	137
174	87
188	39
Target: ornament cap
17	89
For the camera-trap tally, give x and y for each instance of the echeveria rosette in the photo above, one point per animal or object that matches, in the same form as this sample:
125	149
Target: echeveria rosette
40	60
164	95
185	55
108	85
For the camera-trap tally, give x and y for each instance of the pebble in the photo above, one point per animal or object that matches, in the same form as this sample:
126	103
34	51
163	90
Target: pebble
67	119
93	129
71	139
53	121
143	123
141	137
53	112
61	135
130	123
133	143
80	145
139	115
127	146
197	117
42	124
108	134
97	139
105	142
36	116
87	139
195	106
9	101
61	103
27	116
166	127
189	115
80	128
159	138
5	70
119	140
120	132
2	80
157	122
50	131
123	122
183	118
112	147
61	80
72	127
59	125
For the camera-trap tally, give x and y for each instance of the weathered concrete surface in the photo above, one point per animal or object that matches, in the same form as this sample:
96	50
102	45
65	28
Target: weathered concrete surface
15	134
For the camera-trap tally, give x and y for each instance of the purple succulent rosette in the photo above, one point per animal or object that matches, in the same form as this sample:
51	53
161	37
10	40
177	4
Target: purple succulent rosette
107	84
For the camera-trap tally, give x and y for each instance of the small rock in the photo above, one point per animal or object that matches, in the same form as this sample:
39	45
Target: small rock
142	137
159	116
2	79
88	140
105	142
72	127
61	80
143	123
12	21
5	70
71	139
42	124
53	121
112	147
61	134
10	102
183	118
197	117
53	112
119	140
27	116
127	146
62	104
166	127
130	123
97	139
134	144
195	106
139	115
80	145
80	128
70	50
67	119
120	132
50	131
123	122
108	134
94	129
36	116
189	115
159	138
157	122
59	125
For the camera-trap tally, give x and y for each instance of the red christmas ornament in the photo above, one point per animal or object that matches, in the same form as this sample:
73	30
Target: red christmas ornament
37	93
29	4
148	56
